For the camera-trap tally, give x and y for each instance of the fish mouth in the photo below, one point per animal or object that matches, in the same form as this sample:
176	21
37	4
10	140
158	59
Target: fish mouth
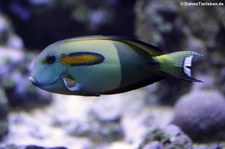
38	84
34	81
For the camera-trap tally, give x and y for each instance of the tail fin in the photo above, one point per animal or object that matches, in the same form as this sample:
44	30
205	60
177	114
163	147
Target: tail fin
178	64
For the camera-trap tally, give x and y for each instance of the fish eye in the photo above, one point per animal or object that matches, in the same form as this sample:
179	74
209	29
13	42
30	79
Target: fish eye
50	59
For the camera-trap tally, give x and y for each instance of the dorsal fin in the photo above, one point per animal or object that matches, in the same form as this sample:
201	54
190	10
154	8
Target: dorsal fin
151	49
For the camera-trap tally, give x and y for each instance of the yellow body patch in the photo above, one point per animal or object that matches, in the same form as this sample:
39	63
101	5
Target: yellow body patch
82	58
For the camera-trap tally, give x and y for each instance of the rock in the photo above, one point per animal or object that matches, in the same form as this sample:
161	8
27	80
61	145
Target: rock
107	110
215	146
100	122
154	145
14	75
7	36
12	146
4	109
222	83
208	146
201	114
96	130
169	137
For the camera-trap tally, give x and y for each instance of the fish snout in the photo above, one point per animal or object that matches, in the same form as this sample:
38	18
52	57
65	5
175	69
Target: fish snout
33	81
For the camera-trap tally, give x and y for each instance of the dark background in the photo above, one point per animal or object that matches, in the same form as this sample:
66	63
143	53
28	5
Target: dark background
40	24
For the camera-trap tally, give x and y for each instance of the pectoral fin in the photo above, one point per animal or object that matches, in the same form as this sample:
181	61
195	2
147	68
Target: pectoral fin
70	83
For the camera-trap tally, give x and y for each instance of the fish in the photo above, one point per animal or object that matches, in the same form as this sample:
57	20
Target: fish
106	65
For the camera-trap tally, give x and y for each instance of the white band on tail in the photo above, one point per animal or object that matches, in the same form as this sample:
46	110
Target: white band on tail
187	63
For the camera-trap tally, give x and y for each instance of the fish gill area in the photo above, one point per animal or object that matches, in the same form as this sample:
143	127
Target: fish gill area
170	114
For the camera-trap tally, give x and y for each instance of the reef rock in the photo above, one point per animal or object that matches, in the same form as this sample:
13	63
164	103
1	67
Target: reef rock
201	114
168	137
